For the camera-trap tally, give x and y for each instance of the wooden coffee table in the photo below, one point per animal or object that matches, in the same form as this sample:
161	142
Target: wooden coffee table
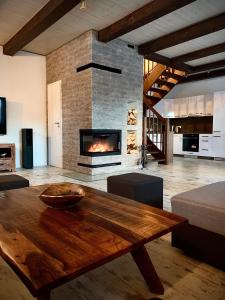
48	247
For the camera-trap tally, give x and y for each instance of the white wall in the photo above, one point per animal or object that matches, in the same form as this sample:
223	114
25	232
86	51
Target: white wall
201	87
23	83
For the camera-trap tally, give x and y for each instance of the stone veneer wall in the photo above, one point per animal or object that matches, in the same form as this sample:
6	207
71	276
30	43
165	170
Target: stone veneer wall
76	93
95	98
114	94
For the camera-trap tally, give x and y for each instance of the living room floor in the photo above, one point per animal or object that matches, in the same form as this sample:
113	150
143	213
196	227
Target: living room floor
183	277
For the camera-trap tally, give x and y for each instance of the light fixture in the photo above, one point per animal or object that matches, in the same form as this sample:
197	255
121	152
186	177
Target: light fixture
83	5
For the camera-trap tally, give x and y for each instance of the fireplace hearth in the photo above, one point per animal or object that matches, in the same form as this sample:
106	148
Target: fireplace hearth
100	142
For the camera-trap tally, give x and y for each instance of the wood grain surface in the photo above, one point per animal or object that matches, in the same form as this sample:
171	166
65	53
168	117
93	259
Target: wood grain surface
48	247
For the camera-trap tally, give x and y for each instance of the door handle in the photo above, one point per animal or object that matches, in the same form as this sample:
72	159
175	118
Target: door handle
56	123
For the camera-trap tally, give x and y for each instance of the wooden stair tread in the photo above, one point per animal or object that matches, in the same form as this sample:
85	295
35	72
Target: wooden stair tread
172	75
159	91
154	152
153	98
166	83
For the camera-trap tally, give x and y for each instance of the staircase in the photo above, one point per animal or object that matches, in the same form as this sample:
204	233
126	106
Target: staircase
158	81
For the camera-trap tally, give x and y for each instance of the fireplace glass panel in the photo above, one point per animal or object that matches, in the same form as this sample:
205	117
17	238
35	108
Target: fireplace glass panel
98	142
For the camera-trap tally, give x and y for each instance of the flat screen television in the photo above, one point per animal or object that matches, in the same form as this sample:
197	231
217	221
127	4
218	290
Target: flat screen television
2	115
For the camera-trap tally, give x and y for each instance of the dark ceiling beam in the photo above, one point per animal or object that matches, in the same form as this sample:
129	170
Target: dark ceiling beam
203	76
144	15
210	66
199	54
48	15
167	61
183	35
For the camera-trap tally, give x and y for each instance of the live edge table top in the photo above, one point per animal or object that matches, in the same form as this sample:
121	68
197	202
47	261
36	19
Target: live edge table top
48	247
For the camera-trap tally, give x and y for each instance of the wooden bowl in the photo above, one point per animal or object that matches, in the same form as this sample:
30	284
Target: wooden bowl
63	195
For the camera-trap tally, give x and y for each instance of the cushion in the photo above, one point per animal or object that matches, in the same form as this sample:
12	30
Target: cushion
204	207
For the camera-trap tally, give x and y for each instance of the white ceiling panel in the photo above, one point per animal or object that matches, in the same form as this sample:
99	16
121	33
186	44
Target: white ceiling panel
195	44
99	14
14	14
183	17
208	59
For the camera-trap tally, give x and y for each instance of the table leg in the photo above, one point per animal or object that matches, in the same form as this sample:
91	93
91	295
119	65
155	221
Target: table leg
44	296
144	263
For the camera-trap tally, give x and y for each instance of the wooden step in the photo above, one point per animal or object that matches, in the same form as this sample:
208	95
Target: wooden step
159	91
161	82
154	98
172	75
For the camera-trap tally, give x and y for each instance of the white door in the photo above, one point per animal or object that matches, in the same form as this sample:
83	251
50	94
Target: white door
55	124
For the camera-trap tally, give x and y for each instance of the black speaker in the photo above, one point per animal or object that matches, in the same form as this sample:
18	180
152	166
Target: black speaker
27	148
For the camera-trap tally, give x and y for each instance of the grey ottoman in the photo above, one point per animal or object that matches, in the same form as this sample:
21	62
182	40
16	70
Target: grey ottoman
9	182
140	187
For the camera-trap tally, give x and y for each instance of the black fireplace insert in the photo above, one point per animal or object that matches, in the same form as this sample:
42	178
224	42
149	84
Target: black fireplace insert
100	142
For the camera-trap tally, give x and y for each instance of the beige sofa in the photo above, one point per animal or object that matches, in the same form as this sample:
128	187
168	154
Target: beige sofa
204	236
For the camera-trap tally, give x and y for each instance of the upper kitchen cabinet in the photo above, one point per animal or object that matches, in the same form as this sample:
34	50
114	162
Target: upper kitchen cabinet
183	109
176	107
160	108
219	112
200	105
192	106
169	108
209	105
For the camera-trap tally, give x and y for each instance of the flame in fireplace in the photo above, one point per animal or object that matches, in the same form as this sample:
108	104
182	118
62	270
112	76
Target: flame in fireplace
100	147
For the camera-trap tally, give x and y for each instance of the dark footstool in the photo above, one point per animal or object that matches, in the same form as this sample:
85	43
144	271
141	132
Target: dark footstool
140	187
9	182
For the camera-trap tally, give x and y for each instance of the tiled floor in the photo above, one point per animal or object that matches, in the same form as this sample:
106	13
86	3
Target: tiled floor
183	277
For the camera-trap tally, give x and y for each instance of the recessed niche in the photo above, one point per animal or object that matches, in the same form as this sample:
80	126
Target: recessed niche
131	142
132	117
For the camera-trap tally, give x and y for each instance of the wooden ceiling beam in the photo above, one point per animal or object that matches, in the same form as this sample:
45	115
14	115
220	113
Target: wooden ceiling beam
199	54
209	66
167	61
141	17
48	15
183	35
203	76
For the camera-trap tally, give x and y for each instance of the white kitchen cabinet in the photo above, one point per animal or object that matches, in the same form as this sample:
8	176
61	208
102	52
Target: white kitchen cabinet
177	143
205	145
169	108
219	112
218	145
191	106
160	108
176	107
183	110
208	105
200	105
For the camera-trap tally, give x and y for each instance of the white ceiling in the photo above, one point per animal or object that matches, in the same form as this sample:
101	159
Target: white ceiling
195	44
14	14
208	59
101	13
180	18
